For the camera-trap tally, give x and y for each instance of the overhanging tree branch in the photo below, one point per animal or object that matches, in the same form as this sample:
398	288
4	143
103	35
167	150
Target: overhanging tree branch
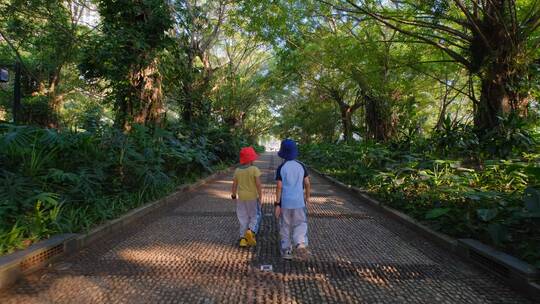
17	54
456	56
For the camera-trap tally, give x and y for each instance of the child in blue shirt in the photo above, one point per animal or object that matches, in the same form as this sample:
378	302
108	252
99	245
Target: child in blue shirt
292	195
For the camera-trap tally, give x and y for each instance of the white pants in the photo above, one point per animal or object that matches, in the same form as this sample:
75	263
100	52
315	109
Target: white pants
249	216
293	221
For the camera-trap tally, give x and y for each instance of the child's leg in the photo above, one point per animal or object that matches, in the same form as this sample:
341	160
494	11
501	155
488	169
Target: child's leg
299	226
259	217
253	213
243	216
285	229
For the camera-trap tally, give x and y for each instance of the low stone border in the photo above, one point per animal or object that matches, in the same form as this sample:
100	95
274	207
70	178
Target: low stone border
14	266
38	255
515	272
519	274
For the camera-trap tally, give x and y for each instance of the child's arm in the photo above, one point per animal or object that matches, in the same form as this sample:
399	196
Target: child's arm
234	188
259	187
307	189
279	186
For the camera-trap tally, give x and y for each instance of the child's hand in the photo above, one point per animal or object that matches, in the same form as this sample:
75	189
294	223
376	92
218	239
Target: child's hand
277	211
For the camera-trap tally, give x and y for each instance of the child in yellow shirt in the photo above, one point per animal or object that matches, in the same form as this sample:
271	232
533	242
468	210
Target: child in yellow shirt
247	184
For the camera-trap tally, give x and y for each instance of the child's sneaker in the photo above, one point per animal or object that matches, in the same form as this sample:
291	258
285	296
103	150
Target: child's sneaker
243	242
286	254
302	251
250	237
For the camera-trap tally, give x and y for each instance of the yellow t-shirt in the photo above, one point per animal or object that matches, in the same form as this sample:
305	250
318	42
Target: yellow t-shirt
247	188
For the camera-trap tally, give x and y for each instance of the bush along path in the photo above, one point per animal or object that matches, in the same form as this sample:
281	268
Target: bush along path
187	253
69	182
497	201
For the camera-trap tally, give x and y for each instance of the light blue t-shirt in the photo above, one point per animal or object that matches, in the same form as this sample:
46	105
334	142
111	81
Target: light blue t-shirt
292	173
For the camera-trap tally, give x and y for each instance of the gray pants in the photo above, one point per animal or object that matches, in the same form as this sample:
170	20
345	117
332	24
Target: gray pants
293	221
249	216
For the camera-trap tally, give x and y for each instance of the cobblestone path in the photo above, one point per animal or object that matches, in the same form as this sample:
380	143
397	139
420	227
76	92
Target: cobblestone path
187	253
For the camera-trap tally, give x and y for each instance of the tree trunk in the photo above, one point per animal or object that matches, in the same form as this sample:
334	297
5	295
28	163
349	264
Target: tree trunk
498	67
442	116
187	90
499	98
148	85
124	113
236	121
346	122
55	101
187	102
378	119
195	89
143	101
445	102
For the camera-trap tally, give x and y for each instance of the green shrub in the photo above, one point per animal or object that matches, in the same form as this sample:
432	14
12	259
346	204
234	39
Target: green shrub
497	202
53	182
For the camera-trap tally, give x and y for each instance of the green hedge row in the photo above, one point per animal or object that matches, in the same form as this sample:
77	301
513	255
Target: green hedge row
497	202
55	182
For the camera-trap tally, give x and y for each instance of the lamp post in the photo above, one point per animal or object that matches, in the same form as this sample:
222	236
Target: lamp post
17	93
4	77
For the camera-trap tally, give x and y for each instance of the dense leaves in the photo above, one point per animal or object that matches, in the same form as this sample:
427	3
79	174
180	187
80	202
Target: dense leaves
121	101
53	182
126	55
496	202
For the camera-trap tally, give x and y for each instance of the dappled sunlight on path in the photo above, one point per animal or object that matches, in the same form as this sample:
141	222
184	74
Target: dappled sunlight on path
187	253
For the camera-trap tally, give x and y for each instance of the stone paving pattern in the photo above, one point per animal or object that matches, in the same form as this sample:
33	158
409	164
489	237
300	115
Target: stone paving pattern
187	253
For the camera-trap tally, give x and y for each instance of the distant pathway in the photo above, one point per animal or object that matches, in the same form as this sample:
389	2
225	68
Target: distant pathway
187	253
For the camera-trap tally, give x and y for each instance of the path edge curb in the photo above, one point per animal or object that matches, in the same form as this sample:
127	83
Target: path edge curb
20	263
516	273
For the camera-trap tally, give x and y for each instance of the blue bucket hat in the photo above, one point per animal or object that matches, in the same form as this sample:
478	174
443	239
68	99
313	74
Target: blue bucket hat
288	149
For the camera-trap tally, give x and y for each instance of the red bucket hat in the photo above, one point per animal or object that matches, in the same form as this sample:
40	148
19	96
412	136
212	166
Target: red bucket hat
247	155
